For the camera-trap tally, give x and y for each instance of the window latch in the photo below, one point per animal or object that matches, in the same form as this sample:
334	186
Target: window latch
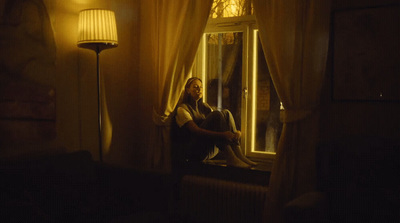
245	92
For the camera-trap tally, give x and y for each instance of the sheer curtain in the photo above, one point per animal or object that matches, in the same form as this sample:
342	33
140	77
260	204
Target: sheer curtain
294	35
174	34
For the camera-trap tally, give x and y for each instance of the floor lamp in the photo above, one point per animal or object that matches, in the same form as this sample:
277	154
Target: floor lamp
97	30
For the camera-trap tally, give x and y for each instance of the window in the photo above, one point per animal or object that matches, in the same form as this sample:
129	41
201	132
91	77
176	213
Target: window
231	63
231	8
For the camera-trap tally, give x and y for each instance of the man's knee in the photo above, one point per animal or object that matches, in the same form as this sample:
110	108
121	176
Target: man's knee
216	115
217	121
226	113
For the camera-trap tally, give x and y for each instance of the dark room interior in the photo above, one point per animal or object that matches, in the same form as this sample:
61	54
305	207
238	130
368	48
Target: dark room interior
55	165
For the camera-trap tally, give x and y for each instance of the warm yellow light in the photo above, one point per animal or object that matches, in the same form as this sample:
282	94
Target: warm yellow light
97	26
254	94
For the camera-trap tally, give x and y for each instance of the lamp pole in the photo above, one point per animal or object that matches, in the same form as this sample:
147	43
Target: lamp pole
99	104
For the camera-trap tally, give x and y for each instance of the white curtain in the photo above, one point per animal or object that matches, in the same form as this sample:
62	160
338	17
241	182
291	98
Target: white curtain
175	29
294	35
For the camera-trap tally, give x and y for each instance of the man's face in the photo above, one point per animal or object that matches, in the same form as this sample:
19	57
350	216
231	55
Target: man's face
196	90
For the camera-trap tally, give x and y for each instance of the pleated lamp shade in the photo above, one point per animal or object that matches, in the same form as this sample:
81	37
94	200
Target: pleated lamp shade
97	28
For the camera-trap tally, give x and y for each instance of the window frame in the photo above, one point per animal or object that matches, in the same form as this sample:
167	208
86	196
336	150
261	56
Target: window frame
253	76
246	25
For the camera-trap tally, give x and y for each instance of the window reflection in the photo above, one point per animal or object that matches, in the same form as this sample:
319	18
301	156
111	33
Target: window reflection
224	72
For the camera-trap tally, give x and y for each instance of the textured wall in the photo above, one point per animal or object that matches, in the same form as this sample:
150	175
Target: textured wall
27	73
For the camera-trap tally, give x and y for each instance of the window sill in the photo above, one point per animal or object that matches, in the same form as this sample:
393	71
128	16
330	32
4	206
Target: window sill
218	169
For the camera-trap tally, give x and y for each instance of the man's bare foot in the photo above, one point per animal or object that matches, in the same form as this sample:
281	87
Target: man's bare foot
238	152
232	160
237	163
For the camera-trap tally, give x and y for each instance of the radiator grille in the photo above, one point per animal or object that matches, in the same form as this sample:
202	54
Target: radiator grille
212	200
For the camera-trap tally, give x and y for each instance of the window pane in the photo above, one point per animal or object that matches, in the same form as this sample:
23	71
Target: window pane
231	8
268	125
224	72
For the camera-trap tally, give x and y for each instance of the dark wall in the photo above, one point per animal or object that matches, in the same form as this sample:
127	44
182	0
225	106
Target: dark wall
360	122
357	109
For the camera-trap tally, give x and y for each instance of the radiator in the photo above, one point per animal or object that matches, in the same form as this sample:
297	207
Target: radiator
213	200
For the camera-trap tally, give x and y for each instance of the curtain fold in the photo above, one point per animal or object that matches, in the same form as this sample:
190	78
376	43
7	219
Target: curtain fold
295	38
175	33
